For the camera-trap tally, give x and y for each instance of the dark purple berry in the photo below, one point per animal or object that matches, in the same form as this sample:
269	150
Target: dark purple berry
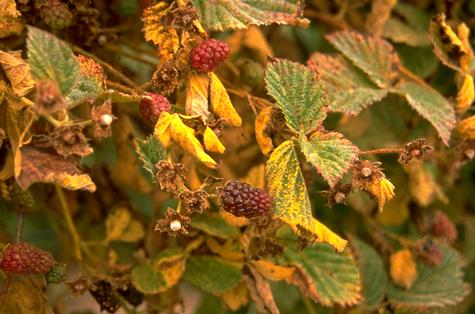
244	200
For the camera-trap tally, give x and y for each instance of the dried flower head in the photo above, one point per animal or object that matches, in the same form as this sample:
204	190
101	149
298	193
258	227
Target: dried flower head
79	286
102	118
181	18
174	223
169	175
366	171
337	194
70	140
48	98
165	80
194	201
414	150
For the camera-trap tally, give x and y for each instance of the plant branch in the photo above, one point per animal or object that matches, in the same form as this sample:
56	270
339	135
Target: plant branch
19	225
120	87
382	151
69	223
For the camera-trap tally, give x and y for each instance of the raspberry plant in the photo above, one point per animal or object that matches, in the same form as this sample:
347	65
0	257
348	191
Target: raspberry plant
198	156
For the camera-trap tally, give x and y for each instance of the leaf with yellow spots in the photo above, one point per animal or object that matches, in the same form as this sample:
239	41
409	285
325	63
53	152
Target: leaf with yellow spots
17	71
236	297
290	200
382	190
466	128
165	36
403	269
261	127
170	128
212	142
273	271
221	103
171	264
465	95
121	227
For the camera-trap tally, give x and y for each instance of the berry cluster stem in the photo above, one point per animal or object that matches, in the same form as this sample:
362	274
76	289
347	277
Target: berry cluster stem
382	151
70	224
19	225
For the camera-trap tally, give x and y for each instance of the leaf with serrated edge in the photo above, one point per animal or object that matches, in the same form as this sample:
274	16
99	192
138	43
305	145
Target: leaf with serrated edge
150	152
374	278
373	55
330	153
290	200
221	103
214	225
331	278
211	274
431	105
349	89
231	14
52	59
147	279
298	95
435	286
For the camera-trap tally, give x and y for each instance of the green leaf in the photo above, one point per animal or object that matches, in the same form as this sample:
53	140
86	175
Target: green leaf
214	225
211	274
430	105
150	152
349	89
51	58
329	277
85	87
408	27
419	60
372	55
290	200
435	286
238	14
374	278
298	95
147	279
330	153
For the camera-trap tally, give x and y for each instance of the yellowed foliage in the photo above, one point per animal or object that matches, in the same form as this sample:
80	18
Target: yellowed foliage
230	250
121	226
233	220
170	128
382	190
166	37
403	269
212	142
395	212
17	71
172	268
466	94
236	297
466	128
261	125
256	176
26	296
273	271
221	103
252	38
9	19
422	184
197	92
463	33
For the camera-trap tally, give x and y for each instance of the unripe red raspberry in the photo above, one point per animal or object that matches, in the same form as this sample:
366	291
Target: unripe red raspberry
25	259
208	55
443	227
244	200
55	14
431	254
152	105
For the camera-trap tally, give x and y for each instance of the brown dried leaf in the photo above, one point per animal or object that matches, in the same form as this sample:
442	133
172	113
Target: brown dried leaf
17	71
260	291
45	165
403	268
9	19
380	13
197	90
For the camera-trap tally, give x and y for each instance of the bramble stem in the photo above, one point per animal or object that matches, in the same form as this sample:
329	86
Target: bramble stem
120	87
382	151
19	225
69	223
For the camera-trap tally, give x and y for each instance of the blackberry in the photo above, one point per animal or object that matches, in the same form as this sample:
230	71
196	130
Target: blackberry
208	55
132	295
243	200
104	294
57	274
152	105
25	259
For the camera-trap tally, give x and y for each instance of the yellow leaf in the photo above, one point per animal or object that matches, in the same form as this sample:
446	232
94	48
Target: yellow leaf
172	268
17	71
403	269
273	271
256	176
229	250
463	33
116	222
233	220
26	295
165	36
221	104
236	297
466	128
261	126
9	19
395	212
197	90
170	128
134	232
212	142
421	184
382	190
466	94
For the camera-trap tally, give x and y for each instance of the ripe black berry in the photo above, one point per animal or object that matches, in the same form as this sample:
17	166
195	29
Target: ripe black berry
132	295
104	294
152	105
244	200
208	55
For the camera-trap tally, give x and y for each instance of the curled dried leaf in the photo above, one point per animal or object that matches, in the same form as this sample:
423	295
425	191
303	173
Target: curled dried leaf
262	128
466	128
465	95
17	71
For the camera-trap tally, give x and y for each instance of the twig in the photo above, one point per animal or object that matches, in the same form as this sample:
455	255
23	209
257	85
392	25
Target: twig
109	68
329	19
70	224
120	87
19	225
382	151
136	57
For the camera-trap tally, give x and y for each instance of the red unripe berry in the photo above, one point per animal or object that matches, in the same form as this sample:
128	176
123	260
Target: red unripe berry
152	105
26	259
443	227
243	200
208	55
